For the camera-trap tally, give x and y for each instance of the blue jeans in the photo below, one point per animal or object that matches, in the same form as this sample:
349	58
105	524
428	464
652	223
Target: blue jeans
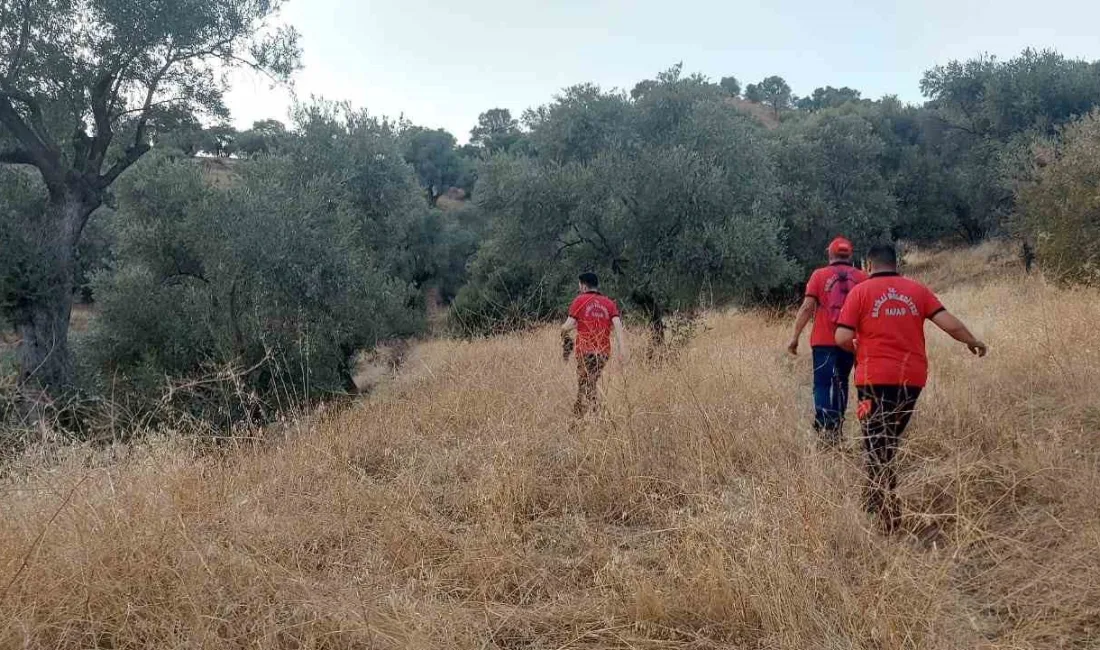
832	367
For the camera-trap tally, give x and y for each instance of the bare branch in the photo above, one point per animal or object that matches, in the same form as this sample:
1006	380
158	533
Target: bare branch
154	83
102	117
132	155
163	102
45	158
951	125
139	146
255	66
120	78
34	112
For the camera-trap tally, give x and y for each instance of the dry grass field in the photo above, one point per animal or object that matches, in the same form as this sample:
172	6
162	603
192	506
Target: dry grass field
457	508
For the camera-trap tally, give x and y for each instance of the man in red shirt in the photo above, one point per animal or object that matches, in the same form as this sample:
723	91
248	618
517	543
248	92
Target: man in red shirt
825	295
594	316
883	323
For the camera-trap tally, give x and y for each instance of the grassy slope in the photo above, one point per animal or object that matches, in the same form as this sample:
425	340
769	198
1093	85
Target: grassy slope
455	508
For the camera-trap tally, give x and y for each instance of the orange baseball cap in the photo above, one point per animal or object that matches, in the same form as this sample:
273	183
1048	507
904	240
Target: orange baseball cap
840	247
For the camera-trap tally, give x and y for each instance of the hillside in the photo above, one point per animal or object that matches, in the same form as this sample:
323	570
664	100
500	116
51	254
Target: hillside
761	112
457	508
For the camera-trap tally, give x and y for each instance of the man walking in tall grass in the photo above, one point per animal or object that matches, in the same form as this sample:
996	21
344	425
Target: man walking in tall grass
882	322
594	316
825	295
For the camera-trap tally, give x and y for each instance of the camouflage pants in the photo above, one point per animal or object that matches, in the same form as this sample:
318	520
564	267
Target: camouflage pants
589	369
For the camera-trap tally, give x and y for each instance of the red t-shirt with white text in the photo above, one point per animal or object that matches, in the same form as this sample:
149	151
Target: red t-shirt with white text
887	313
593	312
819	286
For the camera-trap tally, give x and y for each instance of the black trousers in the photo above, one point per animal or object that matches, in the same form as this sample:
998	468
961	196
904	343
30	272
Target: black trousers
884	413
589	369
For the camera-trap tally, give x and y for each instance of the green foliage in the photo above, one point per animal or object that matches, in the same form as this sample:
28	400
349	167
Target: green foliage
1038	90
220	140
363	155
669	198
580	122
266	137
87	86
1059	206
988	111
832	183
506	292
828	97
437	162
496	132
289	270
75	65
731	85
668	102
23	200
773	91
442	245
271	275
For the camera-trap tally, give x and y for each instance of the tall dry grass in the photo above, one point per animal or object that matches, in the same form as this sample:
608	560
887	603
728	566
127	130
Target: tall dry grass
457	508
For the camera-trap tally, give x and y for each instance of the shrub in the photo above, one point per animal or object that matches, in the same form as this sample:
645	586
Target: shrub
268	275
1060	203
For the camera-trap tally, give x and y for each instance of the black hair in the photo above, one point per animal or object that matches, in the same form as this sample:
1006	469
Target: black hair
590	280
883	255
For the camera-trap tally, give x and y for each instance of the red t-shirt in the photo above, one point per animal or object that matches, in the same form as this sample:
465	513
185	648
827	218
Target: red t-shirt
593	312
821	282
887	313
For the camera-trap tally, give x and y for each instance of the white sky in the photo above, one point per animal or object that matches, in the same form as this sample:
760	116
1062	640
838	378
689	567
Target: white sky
441	63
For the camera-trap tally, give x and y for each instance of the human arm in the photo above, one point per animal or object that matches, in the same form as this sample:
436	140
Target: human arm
805	314
958	331
568	326
846	338
620	339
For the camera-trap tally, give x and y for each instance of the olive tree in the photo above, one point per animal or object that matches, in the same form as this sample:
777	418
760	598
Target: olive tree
669	197
80	81
832	183
269	273
1058	203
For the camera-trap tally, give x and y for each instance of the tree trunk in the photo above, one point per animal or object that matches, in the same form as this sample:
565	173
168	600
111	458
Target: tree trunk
42	314
652	309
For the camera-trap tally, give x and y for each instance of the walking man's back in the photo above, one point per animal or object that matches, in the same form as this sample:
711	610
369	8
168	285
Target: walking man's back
594	316
826	292
883	322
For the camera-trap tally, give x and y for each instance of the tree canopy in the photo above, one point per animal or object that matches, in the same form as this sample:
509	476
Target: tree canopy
311	241
731	85
496	131
83	86
773	91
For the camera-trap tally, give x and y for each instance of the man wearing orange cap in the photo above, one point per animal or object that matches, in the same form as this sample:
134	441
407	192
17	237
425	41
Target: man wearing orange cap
826	291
